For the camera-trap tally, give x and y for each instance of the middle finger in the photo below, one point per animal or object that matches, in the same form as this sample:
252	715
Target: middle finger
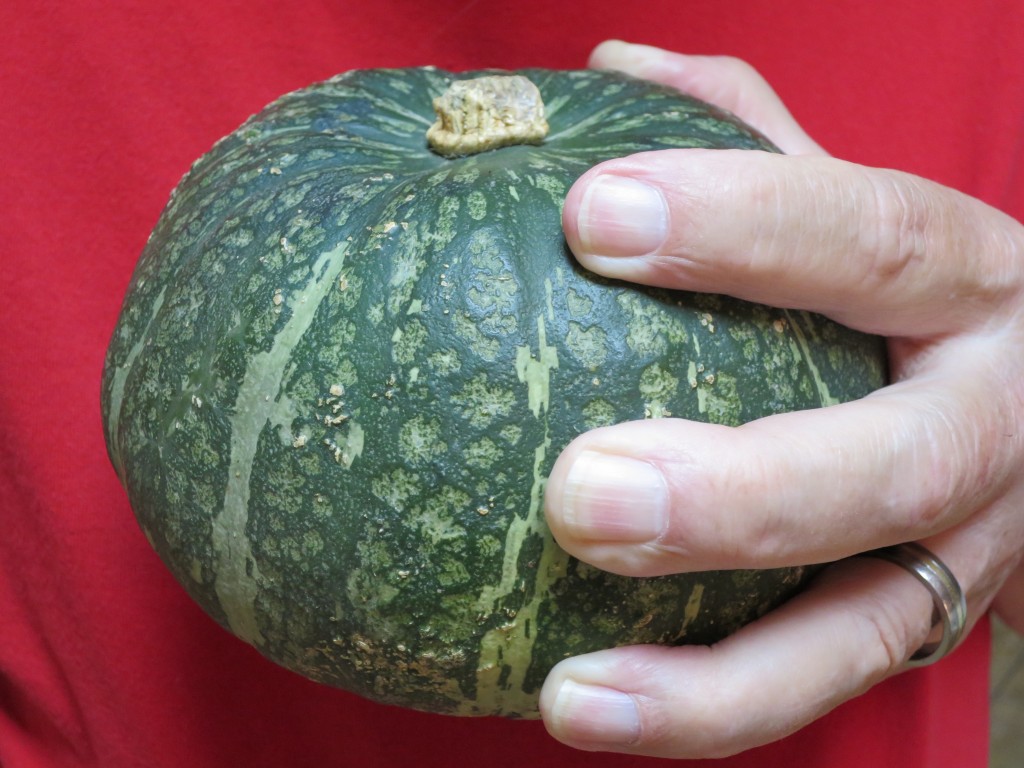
667	495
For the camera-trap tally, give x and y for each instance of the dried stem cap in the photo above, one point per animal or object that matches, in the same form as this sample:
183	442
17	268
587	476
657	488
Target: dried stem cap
486	113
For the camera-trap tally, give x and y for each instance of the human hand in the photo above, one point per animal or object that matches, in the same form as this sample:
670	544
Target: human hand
936	457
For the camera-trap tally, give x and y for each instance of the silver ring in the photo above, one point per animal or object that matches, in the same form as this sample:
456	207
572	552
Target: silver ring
950	604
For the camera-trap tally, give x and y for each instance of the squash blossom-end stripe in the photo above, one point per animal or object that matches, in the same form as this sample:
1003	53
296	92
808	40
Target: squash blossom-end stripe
118	381
536	372
511	644
237	579
824	392
692	610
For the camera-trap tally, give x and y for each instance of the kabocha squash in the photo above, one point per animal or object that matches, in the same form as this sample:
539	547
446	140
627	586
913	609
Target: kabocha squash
349	357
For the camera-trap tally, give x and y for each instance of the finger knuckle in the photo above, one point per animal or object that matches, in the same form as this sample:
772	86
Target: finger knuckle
960	455
761	191
950	445
760	531
914	230
893	225
739	68
888	641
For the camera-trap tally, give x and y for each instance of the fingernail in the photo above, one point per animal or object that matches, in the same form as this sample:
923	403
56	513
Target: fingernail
620	216
614	498
596	714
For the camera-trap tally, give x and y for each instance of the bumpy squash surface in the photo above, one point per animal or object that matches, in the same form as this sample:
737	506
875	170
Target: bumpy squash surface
345	365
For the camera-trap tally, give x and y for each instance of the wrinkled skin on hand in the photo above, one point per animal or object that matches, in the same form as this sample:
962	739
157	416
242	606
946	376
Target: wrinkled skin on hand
936	457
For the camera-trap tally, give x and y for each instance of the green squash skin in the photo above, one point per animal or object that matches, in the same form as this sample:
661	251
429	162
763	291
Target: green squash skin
345	366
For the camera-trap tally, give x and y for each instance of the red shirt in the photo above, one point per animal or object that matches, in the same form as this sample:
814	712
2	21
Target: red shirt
103	659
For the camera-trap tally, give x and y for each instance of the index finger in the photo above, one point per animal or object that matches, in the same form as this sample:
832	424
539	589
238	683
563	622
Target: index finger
878	250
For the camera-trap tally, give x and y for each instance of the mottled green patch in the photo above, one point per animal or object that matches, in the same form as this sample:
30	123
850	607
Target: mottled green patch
743	580
554	186
419	440
290	198
467	329
511	433
396	487
407	341
481	403
239	238
407	264
482	454
349	289
722	401
598	413
588	345
749	340
651	330
493	288
476	204
447	214
304	235
263	323
579	305
657	388
445	361
436	519
346	372
375	313
466	175
346	444
488	546
297	548
364	586
453	573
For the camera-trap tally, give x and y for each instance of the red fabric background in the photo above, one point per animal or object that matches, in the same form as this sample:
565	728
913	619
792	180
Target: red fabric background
103	660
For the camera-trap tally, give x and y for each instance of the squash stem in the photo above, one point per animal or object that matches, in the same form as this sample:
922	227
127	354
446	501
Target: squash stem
486	113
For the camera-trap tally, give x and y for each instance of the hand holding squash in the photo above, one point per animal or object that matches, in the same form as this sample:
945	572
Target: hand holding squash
936	456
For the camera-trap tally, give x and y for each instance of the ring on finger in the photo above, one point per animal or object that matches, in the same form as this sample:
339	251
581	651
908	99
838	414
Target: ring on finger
950	604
